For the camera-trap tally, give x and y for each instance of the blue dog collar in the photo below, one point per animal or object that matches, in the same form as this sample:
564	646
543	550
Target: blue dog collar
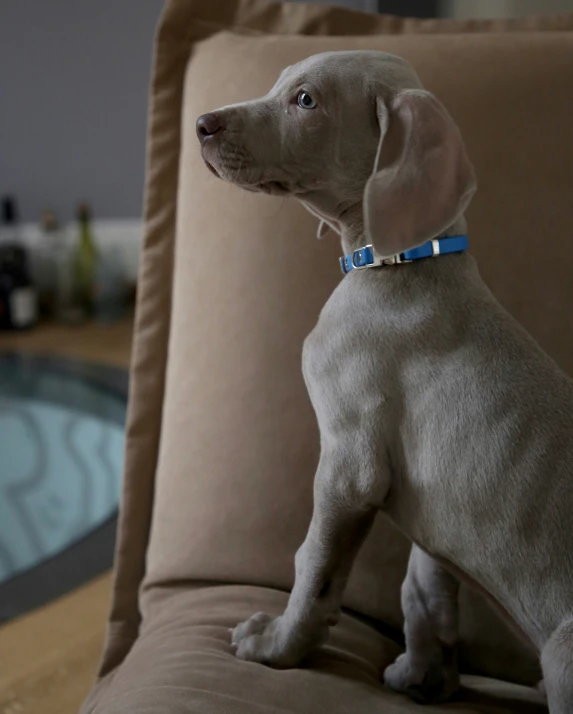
367	257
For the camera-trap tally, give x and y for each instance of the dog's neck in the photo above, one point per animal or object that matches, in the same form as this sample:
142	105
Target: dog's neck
353	234
351	229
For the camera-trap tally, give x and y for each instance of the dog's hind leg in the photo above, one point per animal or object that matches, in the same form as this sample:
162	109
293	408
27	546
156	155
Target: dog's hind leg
427	672
557	664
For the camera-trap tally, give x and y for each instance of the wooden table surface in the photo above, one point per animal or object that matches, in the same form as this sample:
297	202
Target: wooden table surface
95	342
49	657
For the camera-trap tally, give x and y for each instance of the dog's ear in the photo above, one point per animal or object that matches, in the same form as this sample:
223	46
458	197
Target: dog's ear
423	179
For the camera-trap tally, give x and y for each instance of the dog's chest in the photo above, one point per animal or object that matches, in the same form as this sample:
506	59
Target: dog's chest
343	359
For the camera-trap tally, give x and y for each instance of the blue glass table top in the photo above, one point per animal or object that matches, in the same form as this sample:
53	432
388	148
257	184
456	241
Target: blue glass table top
61	462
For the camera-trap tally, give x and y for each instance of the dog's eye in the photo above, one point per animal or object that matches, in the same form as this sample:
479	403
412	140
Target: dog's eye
305	101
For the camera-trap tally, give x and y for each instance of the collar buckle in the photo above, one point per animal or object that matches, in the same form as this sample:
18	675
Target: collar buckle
362	257
397	259
367	257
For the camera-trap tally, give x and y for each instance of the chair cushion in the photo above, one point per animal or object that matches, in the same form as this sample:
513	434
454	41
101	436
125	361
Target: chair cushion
182	663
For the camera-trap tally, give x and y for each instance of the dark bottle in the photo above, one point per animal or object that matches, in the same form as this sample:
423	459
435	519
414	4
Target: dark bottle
18	298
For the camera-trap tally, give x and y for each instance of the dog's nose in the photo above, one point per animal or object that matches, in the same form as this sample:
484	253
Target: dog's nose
209	125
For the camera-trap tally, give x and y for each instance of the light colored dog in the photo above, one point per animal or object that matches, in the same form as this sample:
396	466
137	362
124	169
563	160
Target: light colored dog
434	405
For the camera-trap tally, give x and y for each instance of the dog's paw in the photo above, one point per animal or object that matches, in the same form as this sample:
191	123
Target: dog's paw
433	684
261	639
273	641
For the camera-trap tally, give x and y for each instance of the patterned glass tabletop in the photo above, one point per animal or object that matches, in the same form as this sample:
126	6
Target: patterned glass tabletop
61	456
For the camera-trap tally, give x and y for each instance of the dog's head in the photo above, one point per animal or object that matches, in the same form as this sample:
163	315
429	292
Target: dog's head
343	131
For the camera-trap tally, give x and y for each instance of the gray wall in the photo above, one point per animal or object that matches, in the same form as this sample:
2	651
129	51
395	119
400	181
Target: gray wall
74	80
503	8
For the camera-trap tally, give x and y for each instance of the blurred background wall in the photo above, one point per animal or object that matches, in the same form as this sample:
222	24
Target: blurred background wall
73	102
502	8
73	95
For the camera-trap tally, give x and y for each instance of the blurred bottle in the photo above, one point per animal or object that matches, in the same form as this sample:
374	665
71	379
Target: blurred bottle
43	267
10	226
18	298
50	263
111	289
84	266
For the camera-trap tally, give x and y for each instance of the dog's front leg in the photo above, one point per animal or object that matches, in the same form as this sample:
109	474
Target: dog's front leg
427	672
340	522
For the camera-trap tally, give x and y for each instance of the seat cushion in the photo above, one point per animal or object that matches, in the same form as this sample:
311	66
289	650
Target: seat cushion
182	663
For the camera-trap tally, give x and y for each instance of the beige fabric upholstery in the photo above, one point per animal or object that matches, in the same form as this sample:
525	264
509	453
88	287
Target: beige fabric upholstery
222	442
250	280
182	663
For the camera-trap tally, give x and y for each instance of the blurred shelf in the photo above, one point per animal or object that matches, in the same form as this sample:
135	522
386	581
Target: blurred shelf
93	342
